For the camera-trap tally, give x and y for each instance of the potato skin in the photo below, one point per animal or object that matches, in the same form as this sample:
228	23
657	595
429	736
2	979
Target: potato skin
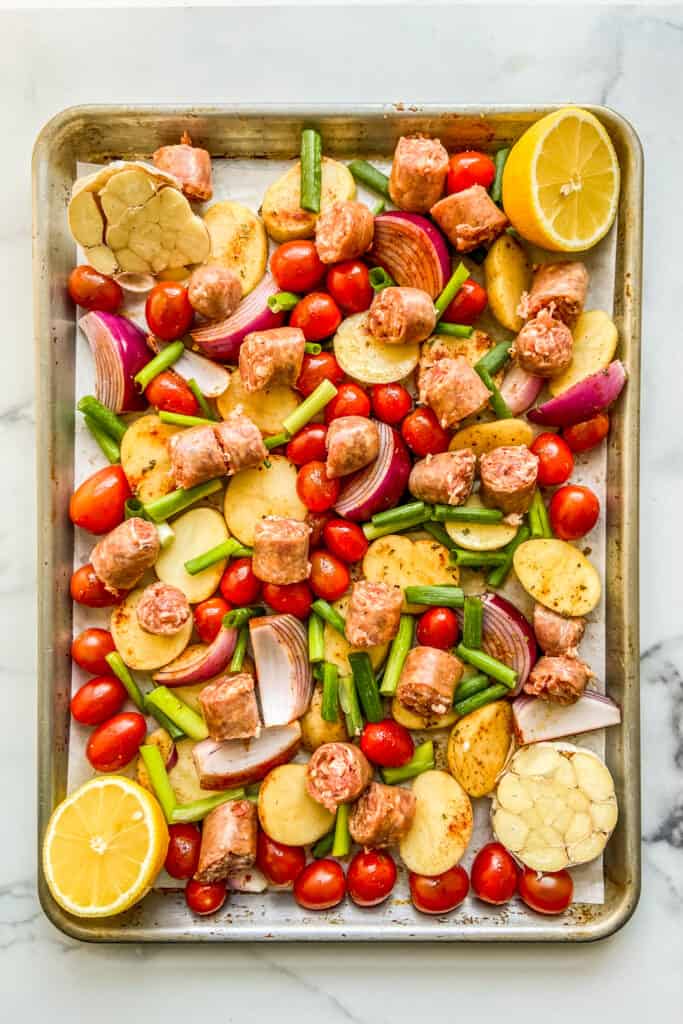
484	437
595	342
442	827
508	274
398	560
140	650
146	457
286	812
410	720
196	531
478	747
315	730
558	575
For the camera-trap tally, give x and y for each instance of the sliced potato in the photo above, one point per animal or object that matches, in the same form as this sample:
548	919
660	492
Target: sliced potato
479	745
411	720
337	647
286	811
442	826
484	437
238	241
595	342
368	360
508	274
146	458
141	650
267	408
480	536
183	775
264	491
281	212
558	575
402	562
196	531
315	730
161	739
472	348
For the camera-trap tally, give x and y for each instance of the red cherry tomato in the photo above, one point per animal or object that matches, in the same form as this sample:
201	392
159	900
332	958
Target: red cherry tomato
317	521
494	874
317	315
92	290
308	445
371	877
168	310
98	505
320	885
548	892
289	598
183	850
345	540
87	589
390	402
296	266
387	743
98	699
556	461
208	616
349	285
423	433
115	743
329	576
205	897
316	369
438	628
314	489
437	894
90	648
573	511
238	585
468	305
584	436
469	168
350	400
281	864
169	392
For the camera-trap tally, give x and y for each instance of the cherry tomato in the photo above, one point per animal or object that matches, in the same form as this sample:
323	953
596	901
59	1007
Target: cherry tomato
182	857
438	627
87	589
469	303
317	522
314	489
92	290
556	462
281	864
238	585
289	598
98	699
90	648
320	885
494	874
316	369
437	894
584	436
208	616
387	743
469	168
169	392
115	743
573	511
350	400
349	285
296	266
308	445
345	540
546	892
423	433
168	310
98	505
371	877
329	576
205	897
317	315
390	402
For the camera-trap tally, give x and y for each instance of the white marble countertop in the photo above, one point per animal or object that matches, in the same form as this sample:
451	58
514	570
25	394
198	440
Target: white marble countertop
629	59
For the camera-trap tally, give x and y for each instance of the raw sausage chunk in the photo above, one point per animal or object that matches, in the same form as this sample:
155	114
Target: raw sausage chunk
558	287
241	443
382	816
214	292
544	346
162	609
190	164
428	681
122	557
271	357
228	840
444	479
281	550
352	443
196	456
230	709
452	389
557	634
401	316
508	478
418	173
337	774
469	218
344	231
374	613
561	679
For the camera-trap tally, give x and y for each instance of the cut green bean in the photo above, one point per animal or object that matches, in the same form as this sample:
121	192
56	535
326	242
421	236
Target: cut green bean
324	846
453	286
468	687
121	671
495	359
201	400
379	280
372	532
341	845
479	700
378	208
171	728
472	622
539	522
167	357
311	170
251	792
238	617
158	777
398	653
366	687
453	330
282	302
369	176
177	501
107	420
329	708
395	515
496	400
198	809
498	576
445	597
310	407
134	509
312	348
497	186
440	534
317	669
325	610
463	514
192	724
421	761
178	419
316	639
275	441
348	698
229	548
477	559
239	654
107	444
490	666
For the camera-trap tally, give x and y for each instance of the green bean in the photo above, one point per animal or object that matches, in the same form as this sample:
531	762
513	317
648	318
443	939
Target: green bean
496	400
378	208
312	348
396	515
491	666
177	501
158	777
120	670
421	761
238	655
329	707
453	286
468	687
453	330
198	809
316	638
179	419
398	653
472	622
192	724
323	846
440	534
311	170
446	596
171	728
348	698
479	700
463	514
498	576
237	617
107	420
372	532
229	548
366	687
169	355
134	509
369	176
108	445
495	359
342	837
476	559
282	302
379	280
538	517
310	407
325	610
201	400
497	186
275	441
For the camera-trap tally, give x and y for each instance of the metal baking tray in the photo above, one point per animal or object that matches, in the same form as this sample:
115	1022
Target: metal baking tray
100	133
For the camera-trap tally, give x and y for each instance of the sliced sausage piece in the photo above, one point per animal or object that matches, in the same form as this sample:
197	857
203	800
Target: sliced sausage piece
214	292
241	443
453	389
196	456
382	816
271	357
374	613
418	173
428	681
544	346
352	443
401	316
469	218
508	478
281	550
555	633
162	610
337	774
122	557
228	840
230	709
560	679
190	164
560	288
344	231
444	479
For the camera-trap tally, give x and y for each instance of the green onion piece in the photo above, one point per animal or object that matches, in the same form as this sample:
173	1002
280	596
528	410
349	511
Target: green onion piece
379	280
120	670
478	255
440	534
238	655
192	724
500	158
179	500
495	359
395	515
372	532
171	728
310	407
348	698
538	517
316	639
477	559
453	330
325	610
166	535
323	846
109	447
237	618
369	176
478	700
366	687
491	666
462	514
251	792
445	597
341	845
311	170
198	809
496	401
317	669
107	420
421	761
398	653
158	776
167	357
201	400
275	441
179	419
498	576
229	548
312	348
457	279
329	708
468	687
282	302
378	208
472	622
134	509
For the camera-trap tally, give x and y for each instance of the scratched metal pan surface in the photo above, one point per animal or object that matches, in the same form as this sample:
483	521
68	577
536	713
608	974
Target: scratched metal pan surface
97	134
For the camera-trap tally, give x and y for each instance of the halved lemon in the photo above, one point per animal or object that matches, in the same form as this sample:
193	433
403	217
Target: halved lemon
561	181
104	846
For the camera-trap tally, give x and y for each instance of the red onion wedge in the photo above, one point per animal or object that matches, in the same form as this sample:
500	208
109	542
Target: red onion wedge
520	389
172	759
239	762
222	340
411	250
120	351
538	720
212	379
507	636
583	400
285	682
381	484
199	662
